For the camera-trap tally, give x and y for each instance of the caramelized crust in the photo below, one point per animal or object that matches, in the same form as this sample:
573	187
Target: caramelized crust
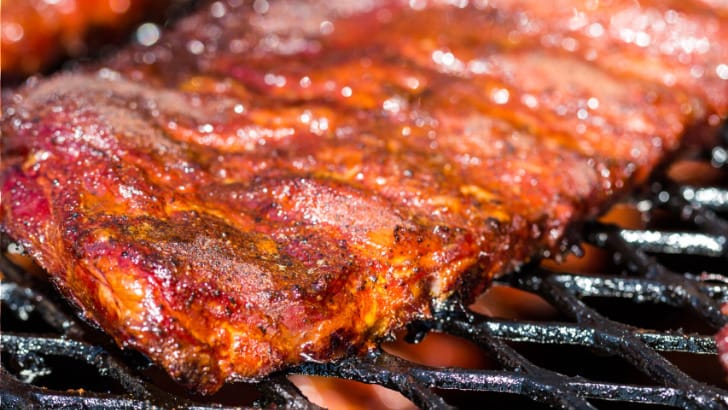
273	184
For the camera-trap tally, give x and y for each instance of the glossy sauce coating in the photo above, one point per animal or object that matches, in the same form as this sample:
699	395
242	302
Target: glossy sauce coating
288	181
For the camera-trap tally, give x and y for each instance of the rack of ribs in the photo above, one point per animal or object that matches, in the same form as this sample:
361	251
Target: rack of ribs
289	181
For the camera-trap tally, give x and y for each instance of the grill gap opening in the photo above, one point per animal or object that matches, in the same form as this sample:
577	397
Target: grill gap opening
466	400
572	361
59	373
340	393
666	220
593	261
28	322
695	264
696	172
621	405
232	394
704	368
506	302
440	350
649	315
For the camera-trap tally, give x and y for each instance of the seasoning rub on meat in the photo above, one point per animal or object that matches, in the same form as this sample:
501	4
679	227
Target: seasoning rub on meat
284	181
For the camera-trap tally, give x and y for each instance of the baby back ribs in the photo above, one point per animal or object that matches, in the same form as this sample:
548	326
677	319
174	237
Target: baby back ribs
294	180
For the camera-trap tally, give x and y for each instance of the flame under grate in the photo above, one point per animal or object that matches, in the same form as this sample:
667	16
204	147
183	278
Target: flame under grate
58	343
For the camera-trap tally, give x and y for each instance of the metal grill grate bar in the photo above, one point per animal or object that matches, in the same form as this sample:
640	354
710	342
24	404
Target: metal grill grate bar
677	243
712	197
585	335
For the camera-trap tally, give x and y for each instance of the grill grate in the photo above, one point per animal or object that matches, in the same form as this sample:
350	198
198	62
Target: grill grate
32	352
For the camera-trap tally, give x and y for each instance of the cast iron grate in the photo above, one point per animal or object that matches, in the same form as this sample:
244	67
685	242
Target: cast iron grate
41	337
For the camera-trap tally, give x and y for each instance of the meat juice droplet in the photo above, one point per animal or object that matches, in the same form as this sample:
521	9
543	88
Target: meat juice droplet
147	34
